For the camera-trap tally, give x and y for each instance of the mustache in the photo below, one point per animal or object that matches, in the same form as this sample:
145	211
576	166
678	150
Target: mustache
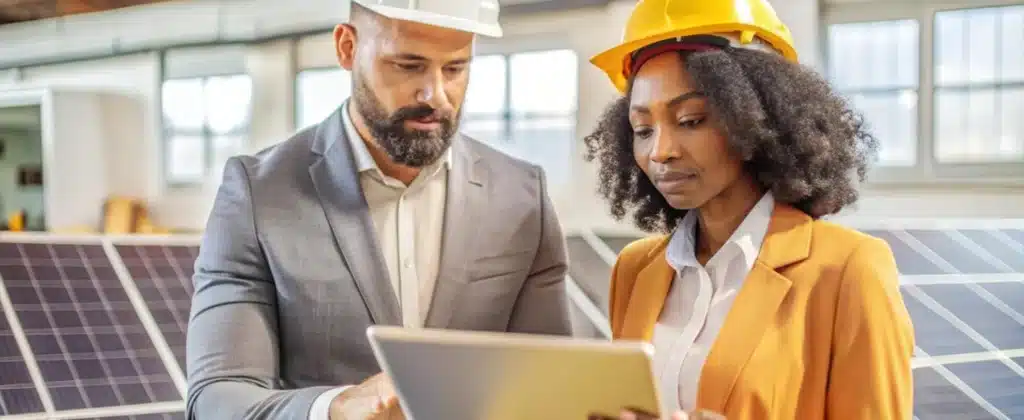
419	112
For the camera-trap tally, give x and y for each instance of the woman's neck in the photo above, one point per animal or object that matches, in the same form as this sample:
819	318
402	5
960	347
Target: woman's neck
722	215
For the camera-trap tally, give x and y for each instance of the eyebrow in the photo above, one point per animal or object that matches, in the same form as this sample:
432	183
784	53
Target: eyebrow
416	57
671	103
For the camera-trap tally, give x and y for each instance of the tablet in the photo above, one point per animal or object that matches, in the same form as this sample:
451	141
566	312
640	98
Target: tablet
463	375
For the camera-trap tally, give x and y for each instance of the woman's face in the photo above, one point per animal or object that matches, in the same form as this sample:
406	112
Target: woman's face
676	140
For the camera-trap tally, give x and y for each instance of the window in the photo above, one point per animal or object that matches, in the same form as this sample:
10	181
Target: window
318	93
979	85
875	64
940	85
525	104
206	121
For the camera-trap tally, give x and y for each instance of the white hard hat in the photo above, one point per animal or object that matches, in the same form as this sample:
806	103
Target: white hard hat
475	16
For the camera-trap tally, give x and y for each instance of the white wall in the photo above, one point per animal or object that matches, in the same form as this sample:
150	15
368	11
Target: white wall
133	151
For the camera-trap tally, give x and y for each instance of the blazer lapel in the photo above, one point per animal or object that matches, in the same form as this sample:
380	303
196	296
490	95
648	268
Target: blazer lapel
648	298
788	241
337	184
467	191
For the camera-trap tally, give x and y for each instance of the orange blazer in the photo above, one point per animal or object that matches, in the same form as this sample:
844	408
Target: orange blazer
819	329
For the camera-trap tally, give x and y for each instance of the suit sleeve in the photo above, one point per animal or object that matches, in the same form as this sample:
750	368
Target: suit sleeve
873	340
232	342
541	307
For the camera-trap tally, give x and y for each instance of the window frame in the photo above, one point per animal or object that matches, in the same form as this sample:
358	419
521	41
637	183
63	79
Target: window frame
168	132
927	170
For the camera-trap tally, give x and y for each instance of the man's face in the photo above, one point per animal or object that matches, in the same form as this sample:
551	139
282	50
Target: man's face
409	84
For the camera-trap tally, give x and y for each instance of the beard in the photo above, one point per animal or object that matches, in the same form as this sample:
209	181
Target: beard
408	147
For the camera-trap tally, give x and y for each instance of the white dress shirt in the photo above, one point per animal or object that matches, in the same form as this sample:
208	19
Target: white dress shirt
408	221
699	300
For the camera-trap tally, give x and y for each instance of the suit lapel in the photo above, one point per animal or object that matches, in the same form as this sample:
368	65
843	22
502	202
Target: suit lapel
337	184
467	191
648	298
765	289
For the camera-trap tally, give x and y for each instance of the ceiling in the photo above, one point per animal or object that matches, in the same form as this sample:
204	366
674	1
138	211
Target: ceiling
25	10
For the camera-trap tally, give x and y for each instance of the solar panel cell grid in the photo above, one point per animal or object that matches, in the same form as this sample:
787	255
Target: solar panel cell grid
163	275
90	345
908	260
953	252
998	247
17	393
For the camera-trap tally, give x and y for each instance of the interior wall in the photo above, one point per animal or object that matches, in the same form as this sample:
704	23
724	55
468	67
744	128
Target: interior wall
134	146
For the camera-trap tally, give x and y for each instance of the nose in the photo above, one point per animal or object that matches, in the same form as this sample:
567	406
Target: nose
433	93
664	148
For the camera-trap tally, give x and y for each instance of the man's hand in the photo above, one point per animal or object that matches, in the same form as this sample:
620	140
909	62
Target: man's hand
374	399
633	414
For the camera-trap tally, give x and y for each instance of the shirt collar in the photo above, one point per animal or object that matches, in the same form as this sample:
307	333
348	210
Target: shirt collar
361	154
747	238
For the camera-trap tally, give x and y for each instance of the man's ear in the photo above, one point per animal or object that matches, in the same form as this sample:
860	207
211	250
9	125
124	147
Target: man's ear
345	38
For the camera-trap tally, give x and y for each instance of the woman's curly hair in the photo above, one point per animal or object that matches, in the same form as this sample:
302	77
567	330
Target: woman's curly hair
797	137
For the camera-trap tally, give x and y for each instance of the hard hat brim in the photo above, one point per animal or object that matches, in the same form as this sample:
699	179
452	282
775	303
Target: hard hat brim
439	20
611	61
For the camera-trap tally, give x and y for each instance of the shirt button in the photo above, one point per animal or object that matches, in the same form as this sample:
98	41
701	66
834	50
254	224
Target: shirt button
407	264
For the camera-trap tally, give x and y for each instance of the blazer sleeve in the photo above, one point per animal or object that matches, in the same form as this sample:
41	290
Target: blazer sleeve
232	341
873	340
541	307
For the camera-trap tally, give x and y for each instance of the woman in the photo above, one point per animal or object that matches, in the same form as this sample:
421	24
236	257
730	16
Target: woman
756	308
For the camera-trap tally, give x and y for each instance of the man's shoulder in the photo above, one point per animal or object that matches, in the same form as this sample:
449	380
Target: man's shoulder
500	161
287	156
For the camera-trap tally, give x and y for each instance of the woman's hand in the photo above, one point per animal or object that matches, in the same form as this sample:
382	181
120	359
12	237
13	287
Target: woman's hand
633	414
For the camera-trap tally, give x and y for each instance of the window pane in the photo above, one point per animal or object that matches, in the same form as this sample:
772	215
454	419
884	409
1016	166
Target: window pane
979	45
547	142
490	131
183	104
1011	138
228	103
874	55
543	82
892	118
487	82
1012	40
186	159
319	93
981	125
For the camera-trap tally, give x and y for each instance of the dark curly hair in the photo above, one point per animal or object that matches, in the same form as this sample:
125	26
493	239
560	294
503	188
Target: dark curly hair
797	137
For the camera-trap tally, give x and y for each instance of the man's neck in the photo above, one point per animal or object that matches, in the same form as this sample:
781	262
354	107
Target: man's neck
388	167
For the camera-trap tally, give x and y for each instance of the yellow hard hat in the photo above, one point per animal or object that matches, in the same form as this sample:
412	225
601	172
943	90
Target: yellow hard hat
653	21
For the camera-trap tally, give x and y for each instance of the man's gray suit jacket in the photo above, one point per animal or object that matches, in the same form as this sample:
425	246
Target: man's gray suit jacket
289	275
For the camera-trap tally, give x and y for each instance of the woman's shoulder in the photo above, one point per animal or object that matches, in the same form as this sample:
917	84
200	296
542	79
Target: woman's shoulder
641	252
846	239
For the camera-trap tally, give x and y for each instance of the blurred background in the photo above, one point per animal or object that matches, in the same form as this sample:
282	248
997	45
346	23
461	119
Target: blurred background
117	116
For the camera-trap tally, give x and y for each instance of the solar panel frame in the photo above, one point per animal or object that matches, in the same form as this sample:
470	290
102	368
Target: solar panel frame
168	296
154	410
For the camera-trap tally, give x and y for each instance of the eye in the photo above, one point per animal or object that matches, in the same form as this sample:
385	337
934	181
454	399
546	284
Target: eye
642	132
454	69
409	67
691	123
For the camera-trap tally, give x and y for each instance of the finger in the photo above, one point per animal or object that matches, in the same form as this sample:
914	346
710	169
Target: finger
680	415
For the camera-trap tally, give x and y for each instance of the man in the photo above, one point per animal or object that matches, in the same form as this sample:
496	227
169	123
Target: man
382	214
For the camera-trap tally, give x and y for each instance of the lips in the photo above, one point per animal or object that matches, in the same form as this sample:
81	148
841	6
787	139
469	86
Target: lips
671	181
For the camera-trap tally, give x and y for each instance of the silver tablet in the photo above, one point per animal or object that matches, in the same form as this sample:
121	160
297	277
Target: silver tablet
461	375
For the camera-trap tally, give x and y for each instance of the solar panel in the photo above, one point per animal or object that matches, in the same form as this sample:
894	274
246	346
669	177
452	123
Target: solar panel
163	275
88	333
963	284
18	394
